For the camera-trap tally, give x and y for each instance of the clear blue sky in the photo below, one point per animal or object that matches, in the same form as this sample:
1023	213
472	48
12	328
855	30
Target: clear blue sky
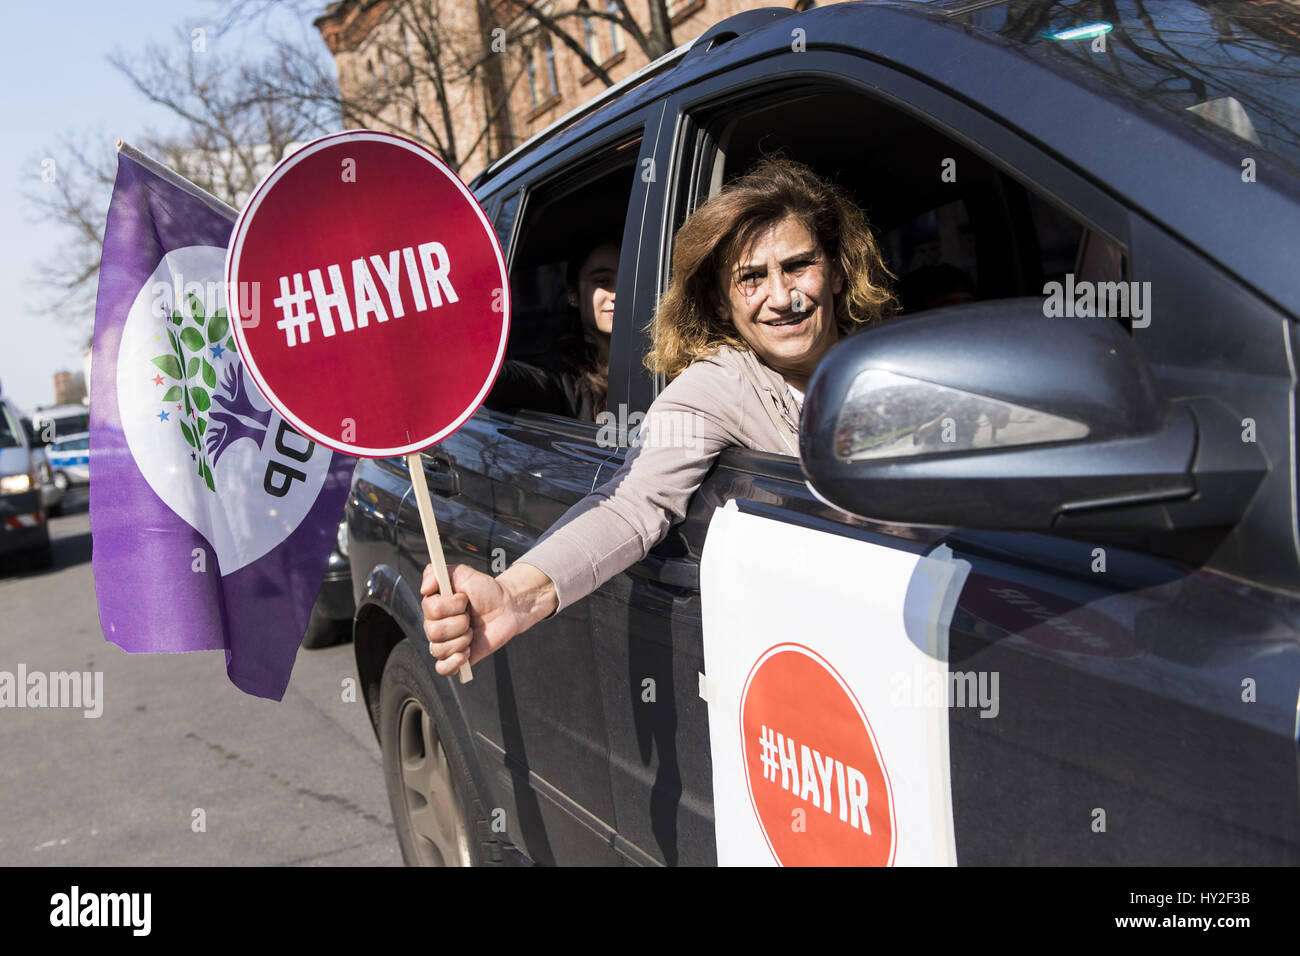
56	79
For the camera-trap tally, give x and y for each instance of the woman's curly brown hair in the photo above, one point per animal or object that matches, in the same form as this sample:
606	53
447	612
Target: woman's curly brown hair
694	318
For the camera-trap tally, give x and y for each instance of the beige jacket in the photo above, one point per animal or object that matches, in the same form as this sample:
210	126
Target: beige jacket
728	398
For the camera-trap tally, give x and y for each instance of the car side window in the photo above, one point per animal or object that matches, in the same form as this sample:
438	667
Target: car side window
10	431
504	223
563	272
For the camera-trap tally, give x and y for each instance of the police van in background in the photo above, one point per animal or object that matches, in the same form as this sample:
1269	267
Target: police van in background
60	421
64	432
70	461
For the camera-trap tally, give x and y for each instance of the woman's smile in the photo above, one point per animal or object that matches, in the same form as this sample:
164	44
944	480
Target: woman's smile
782	300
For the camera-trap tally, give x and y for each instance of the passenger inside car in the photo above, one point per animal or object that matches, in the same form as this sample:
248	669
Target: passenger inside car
566	257
931	201
767	276
571	377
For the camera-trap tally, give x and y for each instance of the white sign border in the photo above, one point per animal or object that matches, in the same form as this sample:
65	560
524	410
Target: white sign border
232	283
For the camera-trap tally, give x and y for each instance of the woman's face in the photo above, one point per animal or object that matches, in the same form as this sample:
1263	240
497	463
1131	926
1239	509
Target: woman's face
596	279
781	299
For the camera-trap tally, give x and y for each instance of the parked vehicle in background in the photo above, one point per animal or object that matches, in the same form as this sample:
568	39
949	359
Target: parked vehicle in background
69	459
24	504
331	615
51	493
1158	682
53	425
60	421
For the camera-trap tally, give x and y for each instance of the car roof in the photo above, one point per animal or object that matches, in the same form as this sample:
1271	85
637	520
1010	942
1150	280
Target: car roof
668	67
75	437
1124	143
58	411
998	20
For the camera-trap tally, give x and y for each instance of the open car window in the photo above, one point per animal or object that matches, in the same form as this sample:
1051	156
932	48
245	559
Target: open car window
553	361
952	227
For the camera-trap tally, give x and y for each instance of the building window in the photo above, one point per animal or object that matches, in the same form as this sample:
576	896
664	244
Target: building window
615	34
531	67
589	33
550	66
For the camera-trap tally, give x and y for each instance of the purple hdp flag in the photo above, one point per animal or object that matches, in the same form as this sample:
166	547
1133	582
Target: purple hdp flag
212	519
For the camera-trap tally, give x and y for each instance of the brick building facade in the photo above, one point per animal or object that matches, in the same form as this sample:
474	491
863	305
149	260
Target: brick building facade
474	78
69	388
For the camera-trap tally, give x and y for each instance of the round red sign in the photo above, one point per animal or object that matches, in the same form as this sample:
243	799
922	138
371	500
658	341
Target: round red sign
371	294
815	776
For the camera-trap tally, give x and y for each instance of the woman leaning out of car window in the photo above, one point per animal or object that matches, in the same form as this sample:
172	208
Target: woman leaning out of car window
766	277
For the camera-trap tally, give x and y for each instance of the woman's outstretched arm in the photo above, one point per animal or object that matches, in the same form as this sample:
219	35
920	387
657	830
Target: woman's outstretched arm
484	612
696	416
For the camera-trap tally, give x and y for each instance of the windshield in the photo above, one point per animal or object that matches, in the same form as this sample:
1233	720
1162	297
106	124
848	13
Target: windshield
10	429
1230	66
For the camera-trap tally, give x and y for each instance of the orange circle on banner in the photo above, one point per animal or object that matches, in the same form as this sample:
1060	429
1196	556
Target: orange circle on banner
807	746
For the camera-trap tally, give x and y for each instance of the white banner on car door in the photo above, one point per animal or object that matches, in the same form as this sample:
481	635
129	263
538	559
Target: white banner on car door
827	682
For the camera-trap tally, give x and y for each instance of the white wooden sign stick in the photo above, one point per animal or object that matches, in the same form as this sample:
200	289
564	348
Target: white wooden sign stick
415	466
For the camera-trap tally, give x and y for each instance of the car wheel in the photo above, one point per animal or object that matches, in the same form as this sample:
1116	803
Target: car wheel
61	481
43	556
323	631
436	811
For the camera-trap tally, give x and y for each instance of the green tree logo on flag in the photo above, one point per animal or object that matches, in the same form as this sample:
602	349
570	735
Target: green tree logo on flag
195	378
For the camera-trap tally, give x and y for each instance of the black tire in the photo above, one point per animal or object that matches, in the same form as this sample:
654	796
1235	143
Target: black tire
43	556
433	827
63	484
323	631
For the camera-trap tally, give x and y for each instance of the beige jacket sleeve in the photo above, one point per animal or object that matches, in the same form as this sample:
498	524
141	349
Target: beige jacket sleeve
716	403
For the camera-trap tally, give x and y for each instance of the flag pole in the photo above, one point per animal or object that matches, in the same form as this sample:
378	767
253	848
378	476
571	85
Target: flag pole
415	466
180	182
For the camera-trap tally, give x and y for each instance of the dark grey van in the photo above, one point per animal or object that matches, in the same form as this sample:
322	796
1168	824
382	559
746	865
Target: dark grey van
1010	151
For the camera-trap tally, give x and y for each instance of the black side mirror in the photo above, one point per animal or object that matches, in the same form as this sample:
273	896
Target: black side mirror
993	416
34	438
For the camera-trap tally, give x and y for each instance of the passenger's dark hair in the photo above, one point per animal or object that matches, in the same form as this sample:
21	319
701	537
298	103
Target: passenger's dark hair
580	247
593	374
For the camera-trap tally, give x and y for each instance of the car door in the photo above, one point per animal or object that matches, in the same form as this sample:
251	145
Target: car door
499	482
1147	685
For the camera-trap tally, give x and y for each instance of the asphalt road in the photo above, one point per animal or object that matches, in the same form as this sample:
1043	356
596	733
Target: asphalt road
298	782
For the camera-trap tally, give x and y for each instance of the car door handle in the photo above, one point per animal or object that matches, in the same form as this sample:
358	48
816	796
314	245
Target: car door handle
675	572
441	475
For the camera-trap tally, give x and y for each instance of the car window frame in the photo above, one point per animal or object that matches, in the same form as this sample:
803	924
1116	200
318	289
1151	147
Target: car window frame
1122	219
547	169
1002	147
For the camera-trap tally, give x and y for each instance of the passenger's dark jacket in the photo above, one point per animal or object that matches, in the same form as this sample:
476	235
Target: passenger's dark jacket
555	382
